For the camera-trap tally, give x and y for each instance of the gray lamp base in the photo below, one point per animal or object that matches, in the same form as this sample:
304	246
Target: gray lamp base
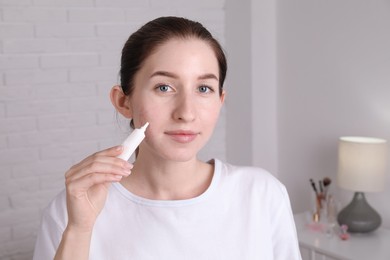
359	216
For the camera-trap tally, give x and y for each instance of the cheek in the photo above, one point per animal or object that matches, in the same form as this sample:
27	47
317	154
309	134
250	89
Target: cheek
209	119
143	114
211	112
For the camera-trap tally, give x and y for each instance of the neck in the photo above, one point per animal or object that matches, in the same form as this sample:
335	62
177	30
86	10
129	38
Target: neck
167	180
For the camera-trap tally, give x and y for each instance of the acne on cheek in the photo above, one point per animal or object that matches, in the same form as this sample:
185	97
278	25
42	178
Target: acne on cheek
142	116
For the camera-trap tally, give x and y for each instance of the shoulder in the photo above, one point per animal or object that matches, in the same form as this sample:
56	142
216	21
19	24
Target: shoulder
255	188
56	213
53	223
252	178
249	173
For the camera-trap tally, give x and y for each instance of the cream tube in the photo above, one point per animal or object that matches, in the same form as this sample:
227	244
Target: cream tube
132	141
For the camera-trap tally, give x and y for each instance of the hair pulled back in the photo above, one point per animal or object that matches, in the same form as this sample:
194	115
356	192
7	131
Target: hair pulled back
145	40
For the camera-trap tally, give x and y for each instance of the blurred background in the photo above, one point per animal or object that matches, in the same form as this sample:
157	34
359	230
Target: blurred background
301	74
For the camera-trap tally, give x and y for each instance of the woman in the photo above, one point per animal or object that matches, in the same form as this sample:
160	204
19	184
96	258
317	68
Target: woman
172	205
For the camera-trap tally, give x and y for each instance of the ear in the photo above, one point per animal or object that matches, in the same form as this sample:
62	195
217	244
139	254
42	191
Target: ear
121	102
222	97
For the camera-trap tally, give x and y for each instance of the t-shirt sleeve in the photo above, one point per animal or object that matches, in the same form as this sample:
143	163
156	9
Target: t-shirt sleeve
285	238
51	229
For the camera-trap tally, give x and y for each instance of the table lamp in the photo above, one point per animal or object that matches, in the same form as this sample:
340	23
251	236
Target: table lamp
361	168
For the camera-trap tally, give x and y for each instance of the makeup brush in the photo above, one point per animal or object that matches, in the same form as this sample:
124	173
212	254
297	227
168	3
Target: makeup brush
314	186
326	181
316	214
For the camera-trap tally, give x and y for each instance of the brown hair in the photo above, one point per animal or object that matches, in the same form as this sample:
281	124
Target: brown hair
145	40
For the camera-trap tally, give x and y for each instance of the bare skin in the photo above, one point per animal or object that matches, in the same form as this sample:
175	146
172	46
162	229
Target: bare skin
87	186
176	91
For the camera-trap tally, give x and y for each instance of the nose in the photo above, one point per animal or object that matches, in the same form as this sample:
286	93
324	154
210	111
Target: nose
184	108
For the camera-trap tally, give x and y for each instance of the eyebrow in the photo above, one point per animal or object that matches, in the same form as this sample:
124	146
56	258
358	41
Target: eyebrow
172	75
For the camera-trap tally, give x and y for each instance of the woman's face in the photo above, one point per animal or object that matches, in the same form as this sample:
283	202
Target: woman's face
177	92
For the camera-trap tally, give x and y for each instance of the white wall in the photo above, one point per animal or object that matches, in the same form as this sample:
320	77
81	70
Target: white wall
264	85
301	74
58	61
238	83
333	80
317	70
251	85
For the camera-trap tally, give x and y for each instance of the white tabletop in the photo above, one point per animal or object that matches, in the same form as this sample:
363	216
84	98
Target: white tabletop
374	245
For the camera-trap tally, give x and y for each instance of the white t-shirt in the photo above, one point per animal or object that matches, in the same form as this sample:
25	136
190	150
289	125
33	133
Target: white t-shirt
244	214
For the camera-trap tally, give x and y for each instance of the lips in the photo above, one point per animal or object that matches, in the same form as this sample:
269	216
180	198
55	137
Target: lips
182	136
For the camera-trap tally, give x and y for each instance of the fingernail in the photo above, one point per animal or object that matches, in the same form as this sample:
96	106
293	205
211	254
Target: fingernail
119	148
128	166
127	172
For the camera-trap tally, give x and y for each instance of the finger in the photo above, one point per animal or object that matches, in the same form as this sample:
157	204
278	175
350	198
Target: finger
98	158
112	151
86	182
102	166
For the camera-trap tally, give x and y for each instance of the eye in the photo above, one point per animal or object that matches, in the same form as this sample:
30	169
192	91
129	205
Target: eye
205	89
164	88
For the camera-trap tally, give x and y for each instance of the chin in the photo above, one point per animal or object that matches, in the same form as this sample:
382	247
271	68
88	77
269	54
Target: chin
177	153
180	156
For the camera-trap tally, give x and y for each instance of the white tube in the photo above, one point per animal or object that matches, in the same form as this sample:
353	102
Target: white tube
132	141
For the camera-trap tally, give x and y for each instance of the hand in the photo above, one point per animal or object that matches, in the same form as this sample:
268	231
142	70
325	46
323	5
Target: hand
87	186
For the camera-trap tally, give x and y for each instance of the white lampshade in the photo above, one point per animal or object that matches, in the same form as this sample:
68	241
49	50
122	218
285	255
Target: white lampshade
362	163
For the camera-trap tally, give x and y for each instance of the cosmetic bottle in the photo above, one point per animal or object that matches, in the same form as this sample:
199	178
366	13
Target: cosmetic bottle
132	141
